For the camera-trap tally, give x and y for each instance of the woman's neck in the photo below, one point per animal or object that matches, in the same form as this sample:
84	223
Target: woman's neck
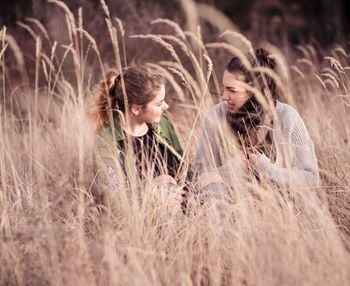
257	136
134	127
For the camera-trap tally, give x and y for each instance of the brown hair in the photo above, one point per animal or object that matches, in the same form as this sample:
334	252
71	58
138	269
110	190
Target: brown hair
252	114
140	84
262	59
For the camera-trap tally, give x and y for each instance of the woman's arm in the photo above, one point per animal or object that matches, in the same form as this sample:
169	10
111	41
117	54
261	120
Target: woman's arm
168	131
207	156
304	169
210	156
107	166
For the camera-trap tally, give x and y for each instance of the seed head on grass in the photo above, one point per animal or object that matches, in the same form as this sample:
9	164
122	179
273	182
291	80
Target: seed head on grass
298	71
105	9
172	24
121	26
240	41
321	81
28	29
160	41
19	58
178	90
331	80
41	28
210	66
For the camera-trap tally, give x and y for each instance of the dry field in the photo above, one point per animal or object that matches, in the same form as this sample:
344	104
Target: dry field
54	231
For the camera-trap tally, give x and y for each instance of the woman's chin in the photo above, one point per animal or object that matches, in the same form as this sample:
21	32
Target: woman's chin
232	110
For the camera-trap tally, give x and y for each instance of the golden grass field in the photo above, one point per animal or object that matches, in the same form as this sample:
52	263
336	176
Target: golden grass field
53	231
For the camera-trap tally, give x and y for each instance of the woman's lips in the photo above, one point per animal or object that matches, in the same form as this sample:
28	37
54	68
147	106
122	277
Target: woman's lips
230	106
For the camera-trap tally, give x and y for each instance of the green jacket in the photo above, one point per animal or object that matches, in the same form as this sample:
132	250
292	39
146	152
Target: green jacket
113	158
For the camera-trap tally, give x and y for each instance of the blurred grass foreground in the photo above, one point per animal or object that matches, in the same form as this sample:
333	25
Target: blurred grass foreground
54	231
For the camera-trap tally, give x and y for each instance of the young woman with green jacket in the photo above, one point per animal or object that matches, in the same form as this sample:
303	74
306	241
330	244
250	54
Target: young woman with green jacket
135	140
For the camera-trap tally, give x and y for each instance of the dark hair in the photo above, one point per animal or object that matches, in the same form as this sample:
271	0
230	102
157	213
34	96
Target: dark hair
262	60
252	114
140	83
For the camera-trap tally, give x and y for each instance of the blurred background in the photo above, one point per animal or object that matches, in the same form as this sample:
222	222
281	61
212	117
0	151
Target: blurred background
278	21
287	24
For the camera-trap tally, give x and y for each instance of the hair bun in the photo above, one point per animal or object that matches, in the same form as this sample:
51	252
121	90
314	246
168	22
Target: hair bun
264	58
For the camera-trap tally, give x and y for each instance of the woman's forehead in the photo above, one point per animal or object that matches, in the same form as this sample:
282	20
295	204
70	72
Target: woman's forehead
159	94
232	78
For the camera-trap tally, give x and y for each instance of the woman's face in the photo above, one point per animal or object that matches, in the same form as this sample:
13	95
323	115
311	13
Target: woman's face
153	111
234	94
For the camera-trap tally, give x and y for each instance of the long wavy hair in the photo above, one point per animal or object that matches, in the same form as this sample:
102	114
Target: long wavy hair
251	115
140	86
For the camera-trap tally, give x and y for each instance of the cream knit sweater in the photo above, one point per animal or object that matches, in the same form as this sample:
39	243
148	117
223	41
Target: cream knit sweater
295	164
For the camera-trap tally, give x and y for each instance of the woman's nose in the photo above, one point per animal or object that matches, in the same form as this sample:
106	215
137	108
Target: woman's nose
225	96
165	106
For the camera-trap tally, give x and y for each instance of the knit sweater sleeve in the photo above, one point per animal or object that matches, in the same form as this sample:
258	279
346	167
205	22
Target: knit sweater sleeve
209	157
303	171
207	151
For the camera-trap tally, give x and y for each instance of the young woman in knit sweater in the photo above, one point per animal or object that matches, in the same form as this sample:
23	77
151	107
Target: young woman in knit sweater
269	137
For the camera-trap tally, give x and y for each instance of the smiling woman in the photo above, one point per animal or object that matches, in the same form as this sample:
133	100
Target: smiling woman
133	133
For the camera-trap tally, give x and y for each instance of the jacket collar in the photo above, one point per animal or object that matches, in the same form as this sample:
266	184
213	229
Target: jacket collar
120	134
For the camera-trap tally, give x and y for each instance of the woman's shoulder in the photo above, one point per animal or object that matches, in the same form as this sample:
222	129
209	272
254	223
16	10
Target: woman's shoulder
289	117
286	112
164	127
217	112
105	133
164	123
166	130
103	140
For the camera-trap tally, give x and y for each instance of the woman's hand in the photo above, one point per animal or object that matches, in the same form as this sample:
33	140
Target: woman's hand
250	159
168	187
164	179
207	178
253	158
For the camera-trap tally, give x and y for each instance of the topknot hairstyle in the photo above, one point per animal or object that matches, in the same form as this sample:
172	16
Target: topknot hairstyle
264	58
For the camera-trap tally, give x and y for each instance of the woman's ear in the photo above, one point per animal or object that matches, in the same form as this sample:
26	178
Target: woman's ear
135	109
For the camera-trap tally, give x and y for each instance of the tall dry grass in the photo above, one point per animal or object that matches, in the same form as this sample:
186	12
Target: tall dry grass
53	231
